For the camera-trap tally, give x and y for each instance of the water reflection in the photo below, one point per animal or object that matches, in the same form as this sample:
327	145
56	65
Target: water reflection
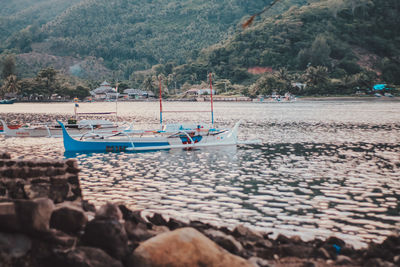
320	171
305	189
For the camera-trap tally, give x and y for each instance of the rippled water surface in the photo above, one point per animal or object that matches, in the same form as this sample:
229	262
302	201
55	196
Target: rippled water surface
324	167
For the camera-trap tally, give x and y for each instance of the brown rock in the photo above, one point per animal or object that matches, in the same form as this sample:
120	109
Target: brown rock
133	216
157	219
59	192
243	231
109	235
68	219
343	260
175	224
37	190
34	215
226	241
377	262
72	163
109	211
201	226
73	179
87	206
333	240
159	229
58	238
258	262
84	257
183	247
3	189
299	251
296	239
72	170
281	239
137	232
8	217
322	253
14	245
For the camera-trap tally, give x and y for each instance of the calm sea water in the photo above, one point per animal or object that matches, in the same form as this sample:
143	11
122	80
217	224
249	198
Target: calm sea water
324	167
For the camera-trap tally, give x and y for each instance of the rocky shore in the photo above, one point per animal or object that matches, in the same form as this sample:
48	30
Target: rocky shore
44	221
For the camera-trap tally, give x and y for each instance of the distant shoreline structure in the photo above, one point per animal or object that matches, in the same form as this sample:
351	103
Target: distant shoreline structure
238	99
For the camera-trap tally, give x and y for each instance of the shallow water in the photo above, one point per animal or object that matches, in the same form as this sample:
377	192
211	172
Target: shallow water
324	168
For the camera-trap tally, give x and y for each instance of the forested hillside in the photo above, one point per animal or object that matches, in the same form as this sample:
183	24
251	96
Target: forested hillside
134	35
332	46
346	41
20	20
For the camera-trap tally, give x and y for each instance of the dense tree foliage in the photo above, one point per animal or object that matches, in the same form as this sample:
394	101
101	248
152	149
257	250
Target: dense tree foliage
333	46
135	35
8	66
329	37
20	20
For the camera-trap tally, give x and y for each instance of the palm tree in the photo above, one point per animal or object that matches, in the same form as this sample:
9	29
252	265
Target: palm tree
10	86
316	76
148	84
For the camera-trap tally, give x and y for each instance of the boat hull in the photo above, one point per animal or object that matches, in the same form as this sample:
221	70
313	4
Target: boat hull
178	140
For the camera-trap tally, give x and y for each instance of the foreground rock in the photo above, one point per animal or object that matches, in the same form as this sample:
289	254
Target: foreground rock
69	219
84	256
183	247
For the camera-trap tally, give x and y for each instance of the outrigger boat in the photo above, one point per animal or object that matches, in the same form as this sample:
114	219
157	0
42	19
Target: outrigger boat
13	127
47	130
76	127
156	140
169	137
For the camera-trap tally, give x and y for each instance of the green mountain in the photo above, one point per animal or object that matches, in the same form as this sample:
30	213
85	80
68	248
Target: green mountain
135	35
347	37
21	19
335	46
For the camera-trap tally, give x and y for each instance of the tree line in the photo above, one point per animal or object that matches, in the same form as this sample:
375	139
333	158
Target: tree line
47	83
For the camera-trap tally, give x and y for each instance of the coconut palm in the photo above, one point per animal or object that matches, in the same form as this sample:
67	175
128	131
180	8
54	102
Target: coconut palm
316	76
10	86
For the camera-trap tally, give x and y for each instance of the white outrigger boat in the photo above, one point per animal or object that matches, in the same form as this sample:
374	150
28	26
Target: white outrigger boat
48	130
75	126
170	136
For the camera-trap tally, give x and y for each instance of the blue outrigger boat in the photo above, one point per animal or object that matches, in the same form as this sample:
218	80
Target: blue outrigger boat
158	140
169	137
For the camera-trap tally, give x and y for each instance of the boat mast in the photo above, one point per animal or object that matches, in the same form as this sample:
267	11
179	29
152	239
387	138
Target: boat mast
159	85
116	104
212	106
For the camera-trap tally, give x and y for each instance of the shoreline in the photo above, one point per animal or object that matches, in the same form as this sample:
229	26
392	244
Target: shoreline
349	98
223	99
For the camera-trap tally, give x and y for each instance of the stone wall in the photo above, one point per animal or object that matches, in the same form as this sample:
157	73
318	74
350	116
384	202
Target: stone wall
22	179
